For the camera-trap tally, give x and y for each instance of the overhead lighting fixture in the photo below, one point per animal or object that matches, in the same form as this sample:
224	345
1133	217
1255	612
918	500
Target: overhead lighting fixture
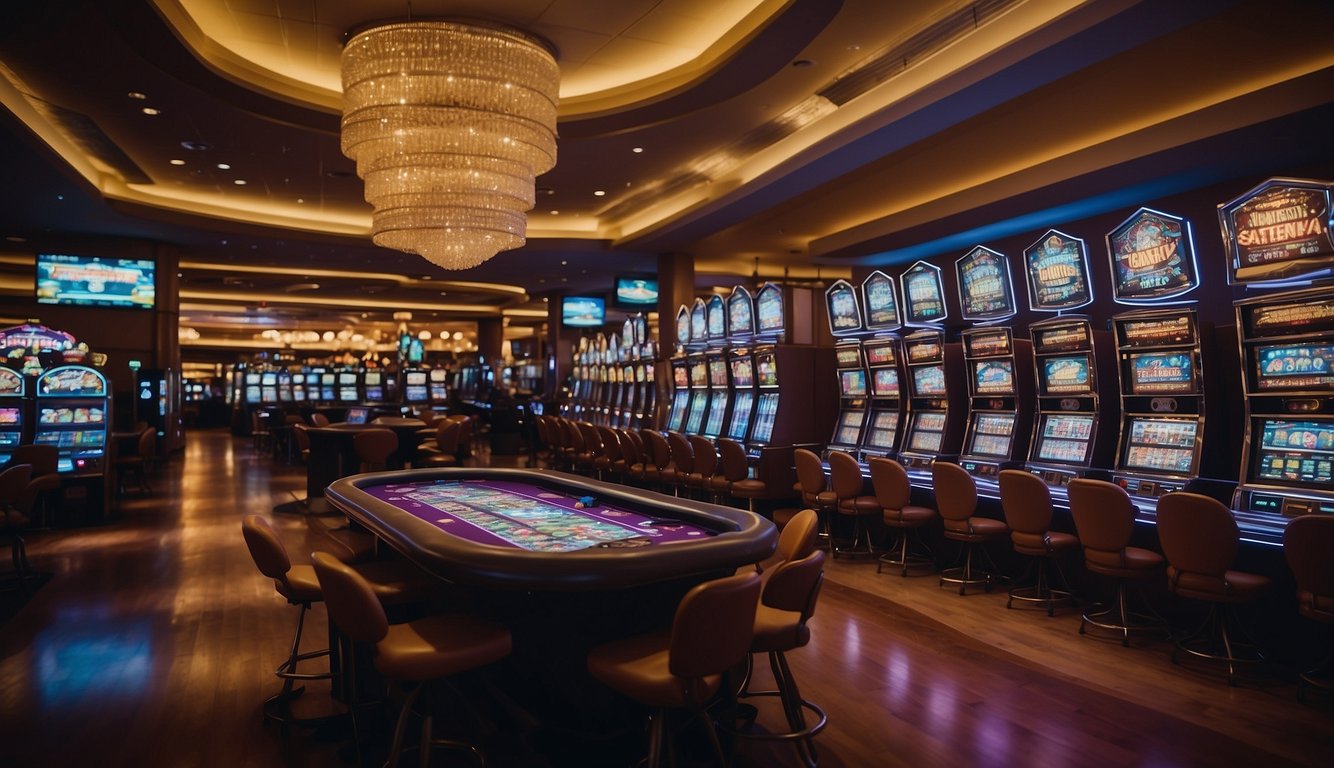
176	162
150	111
449	123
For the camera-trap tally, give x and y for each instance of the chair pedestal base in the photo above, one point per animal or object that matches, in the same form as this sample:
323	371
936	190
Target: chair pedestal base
861	542
1321	679
1041	594
966	575
899	555
1214	641
795	709
1119	619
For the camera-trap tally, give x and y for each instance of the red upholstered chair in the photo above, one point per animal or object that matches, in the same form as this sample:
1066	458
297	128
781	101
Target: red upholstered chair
736	481
956	500
1104	521
1307	543
1199	537
845	480
1026	502
893	493
682	669
814	490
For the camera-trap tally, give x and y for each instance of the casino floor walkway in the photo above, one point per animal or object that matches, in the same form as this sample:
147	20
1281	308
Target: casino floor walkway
154	641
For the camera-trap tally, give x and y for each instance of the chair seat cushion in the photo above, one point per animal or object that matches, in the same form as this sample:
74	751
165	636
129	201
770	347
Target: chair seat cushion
440	646
301	586
747	489
1042	544
975	529
1313	606
908	517
1234	587
348	545
822	500
778	630
437	460
860	505
719	483
1131	563
637	667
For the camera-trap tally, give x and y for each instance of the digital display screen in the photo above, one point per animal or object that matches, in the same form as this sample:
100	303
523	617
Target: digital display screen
413	393
9	416
928	380
1299	452
716	317
11	383
923	296
683	325
1161	445
1177	329
695	418
268	379
1152	257
680	377
252	378
1161	372
766	369
984	285
989	344
718	372
992	434
993	376
1063	338
1294	366
357	416
637	292
95	282
847	357
437	375
373	378
736	429
582	312
844	314
928	433
81	415
717	409
415	378
849	430
880	354
1284	319
1058	273
699	373
1065	438
885	382
327	379
923	351
884	427
347	394
852	383
743	372
71	382
882	305
769	310
1065	375
766	413
740	316
678	415
252	394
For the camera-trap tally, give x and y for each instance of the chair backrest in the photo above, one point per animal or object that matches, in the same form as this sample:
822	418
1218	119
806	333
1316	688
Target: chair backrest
447	436
956	493
466	426
302	436
266	547
373	446
611	443
44	459
733	457
147	443
574	437
794	585
683	456
1104	518
629	448
14	484
1307	543
319	420
1026	502
351	602
810	473
291	420
543	437
845	475
638	441
592	439
427	416
1197	533
661	452
797	539
714	625
890	481
706	456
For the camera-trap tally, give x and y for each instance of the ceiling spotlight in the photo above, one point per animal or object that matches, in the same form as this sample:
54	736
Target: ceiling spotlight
638	150
301	200
136	95
176	162
424	335
224	167
151	111
458	335
599	193
327	336
239	182
555	213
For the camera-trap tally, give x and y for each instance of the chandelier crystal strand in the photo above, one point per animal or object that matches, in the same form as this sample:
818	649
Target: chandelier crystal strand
450	123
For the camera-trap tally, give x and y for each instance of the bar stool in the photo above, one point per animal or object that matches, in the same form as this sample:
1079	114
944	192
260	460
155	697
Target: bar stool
45	483
795	541
417	652
814	492
589	459
658	470
683	462
683	669
894	495
443	450
705	458
1026	502
1199	538
374	447
956	499
612	461
845	480
15	498
1307	542
1104	522
736	470
319	420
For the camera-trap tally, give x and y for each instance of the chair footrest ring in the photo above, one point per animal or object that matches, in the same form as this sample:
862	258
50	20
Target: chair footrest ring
815	709
285	672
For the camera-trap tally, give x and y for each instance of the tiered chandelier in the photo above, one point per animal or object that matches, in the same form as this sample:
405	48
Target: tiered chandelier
449	123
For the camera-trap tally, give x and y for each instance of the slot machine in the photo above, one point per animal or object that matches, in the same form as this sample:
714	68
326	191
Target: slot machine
676	417
698	367
284	386
373	383
437	385
1279	231
936	394
779	421
883	352
12	391
1000	397
415	388
845	320
72	402
1075	402
328	386
719	395
740	362
349	386
299	387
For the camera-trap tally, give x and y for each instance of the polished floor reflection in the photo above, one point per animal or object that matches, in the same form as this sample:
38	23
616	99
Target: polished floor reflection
154	640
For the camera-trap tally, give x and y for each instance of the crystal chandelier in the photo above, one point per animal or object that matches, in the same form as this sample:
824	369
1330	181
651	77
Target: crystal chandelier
449	123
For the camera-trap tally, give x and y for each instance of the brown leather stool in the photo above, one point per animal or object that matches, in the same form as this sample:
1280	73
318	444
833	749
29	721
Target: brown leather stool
956	500
736	471
815	494
894	495
1104	521
705	465
845	480
796	540
1026	501
1307	542
1199	537
374	447
663	472
443	450
683	462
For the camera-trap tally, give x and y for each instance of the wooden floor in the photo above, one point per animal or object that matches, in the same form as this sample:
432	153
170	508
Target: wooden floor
153	644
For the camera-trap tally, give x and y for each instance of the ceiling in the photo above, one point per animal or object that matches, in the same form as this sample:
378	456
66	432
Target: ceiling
769	137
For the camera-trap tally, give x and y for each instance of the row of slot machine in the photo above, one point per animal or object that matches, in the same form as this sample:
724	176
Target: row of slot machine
731	369
52	394
266	385
612	382
1133	405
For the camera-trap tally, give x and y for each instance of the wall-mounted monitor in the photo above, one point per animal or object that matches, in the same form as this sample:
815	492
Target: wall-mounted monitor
636	293
93	281
582	312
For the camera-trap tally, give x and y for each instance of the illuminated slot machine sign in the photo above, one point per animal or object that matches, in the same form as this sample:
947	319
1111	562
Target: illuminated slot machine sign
743	380
713	425
71	415
347	386
415	386
923	295
1152	258
252	394
740	313
680	396
1279	231
880	302
986	292
845	315
699	322
11	412
715	318
374	385
770	320
1057	271
682	326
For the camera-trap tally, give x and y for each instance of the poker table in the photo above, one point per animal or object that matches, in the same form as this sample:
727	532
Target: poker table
332	454
537	529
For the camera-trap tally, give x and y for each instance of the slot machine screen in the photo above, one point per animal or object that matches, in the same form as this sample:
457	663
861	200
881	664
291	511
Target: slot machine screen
1294	366
849	430
75	415
415	379
882	306
1161	445
1295	452
844	315
927	433
769	310
923	297
252	394
680	377
699	374
993	377
852	383
374	385
766	368
928	380
1161	373
678	414
699	321
847	357
923	351
716	318
1063	375
269	380
884	427
880	354
766	413
718	372
252	378
992	435
357	415
743	372
736	429
713	426
985	292
1062	338
885	382
9	416
1065	438
695	418
740	317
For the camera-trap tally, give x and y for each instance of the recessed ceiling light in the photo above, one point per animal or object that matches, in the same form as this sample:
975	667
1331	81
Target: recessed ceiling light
301	199
176	162
555	213
137	95
637	150
224	167
599	193
564	263
239	182
151	111
545	300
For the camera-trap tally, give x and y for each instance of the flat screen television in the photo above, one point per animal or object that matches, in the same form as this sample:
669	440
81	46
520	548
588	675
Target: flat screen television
583	312
357	415
636	293
93	281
